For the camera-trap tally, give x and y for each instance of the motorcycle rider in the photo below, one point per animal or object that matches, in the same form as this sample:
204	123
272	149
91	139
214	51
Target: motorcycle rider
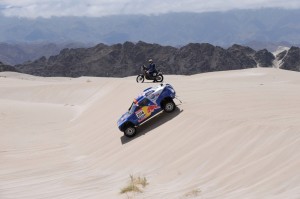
151	68
149	72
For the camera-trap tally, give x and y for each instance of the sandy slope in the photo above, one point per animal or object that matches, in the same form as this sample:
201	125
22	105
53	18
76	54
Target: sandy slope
236	135
277	63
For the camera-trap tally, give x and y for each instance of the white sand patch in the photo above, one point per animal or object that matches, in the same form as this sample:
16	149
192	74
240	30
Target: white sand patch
236	135
277	63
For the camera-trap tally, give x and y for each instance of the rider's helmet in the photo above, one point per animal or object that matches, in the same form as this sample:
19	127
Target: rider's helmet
150	61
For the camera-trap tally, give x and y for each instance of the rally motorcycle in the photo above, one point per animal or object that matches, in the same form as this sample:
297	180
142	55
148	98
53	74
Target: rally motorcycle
156	77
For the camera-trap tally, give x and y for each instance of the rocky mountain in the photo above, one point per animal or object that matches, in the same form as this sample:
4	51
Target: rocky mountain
264	58
4	67
100	60
18	53
291	59
125	59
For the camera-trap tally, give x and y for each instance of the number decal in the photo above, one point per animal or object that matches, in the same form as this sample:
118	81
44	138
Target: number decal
140	114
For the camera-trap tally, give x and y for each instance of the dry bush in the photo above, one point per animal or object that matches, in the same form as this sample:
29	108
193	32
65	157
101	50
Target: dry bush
135	185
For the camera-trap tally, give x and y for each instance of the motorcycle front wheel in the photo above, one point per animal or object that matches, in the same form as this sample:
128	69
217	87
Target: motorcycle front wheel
159	78
140	79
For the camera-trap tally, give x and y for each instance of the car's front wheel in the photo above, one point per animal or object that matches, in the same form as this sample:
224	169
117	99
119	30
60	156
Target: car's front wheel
169	106
129	131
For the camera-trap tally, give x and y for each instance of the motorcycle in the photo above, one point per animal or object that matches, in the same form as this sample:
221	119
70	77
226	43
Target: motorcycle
156	77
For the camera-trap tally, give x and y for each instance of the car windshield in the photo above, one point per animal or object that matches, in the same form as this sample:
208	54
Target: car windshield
132	108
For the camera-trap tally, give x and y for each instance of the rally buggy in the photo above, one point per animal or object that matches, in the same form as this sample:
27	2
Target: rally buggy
148	104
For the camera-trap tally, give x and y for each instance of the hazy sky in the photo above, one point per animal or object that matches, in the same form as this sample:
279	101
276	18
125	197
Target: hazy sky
94	8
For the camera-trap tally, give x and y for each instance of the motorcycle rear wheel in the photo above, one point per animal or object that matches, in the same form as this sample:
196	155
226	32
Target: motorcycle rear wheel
140	79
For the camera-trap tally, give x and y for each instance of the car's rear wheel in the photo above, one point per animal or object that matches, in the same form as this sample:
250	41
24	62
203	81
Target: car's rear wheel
129	131
169	106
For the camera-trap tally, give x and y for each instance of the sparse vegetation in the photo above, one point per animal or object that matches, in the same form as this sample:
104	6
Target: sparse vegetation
135	185
193	193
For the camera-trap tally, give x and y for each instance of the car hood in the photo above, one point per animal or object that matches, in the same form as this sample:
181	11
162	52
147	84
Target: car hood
123	118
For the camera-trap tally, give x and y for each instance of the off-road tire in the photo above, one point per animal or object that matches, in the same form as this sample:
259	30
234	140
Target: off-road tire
129	131
169	106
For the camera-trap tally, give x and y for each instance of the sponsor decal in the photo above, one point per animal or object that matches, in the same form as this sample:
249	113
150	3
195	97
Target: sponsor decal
149	93
140	114
154	96
145	112
151	108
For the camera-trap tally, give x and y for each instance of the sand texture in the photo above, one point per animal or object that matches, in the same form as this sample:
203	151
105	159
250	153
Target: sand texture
236	135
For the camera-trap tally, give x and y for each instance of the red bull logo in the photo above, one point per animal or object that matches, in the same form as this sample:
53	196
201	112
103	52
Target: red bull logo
151	108
145	112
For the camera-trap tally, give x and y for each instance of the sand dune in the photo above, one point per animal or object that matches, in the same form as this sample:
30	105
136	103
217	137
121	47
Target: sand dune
235	135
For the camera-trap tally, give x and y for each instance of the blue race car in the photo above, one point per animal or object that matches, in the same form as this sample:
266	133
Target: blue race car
152	101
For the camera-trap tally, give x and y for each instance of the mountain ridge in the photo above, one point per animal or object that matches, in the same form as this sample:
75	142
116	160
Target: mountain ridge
120	60
18	53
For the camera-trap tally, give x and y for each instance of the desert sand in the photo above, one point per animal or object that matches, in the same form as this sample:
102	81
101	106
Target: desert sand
236	135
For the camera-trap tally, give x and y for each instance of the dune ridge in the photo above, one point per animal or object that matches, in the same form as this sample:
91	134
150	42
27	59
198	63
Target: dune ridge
236	134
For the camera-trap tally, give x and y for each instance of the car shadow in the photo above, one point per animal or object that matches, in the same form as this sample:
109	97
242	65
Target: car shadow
152	124
152	82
